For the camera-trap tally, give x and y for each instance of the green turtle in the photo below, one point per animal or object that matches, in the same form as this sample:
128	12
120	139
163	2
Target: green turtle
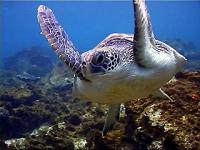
121	68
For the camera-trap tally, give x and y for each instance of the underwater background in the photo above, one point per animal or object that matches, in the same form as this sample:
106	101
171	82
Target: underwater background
37	110
89	22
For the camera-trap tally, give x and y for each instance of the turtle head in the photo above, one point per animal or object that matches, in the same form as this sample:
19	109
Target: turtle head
100	63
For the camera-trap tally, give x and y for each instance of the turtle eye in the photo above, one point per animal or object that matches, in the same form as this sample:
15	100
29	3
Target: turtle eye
98	59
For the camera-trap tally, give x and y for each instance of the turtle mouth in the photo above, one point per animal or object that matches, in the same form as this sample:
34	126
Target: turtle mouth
97	69
89	72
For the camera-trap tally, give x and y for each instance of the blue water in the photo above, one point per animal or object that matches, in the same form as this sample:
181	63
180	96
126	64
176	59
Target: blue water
87	23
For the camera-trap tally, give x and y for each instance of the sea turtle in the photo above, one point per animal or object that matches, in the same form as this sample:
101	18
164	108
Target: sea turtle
121	68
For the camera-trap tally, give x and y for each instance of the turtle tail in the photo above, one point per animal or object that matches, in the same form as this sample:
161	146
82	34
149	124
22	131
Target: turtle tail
59	40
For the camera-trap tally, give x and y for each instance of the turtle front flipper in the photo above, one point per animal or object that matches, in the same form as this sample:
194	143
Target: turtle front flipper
59	40
144	41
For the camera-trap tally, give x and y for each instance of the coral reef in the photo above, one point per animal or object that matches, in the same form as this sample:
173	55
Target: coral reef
165	124
43	115
33	61
25	106
59	77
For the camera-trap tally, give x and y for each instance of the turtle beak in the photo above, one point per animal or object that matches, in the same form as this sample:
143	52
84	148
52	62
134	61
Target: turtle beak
86	70
89	71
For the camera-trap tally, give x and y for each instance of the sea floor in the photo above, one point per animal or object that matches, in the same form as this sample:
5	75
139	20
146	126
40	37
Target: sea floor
42	114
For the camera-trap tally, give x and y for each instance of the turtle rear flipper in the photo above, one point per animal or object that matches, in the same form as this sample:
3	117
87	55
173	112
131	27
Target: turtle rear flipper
161	94
112	116
59	40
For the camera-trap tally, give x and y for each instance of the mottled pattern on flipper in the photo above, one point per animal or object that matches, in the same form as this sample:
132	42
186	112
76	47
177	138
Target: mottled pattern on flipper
59	40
